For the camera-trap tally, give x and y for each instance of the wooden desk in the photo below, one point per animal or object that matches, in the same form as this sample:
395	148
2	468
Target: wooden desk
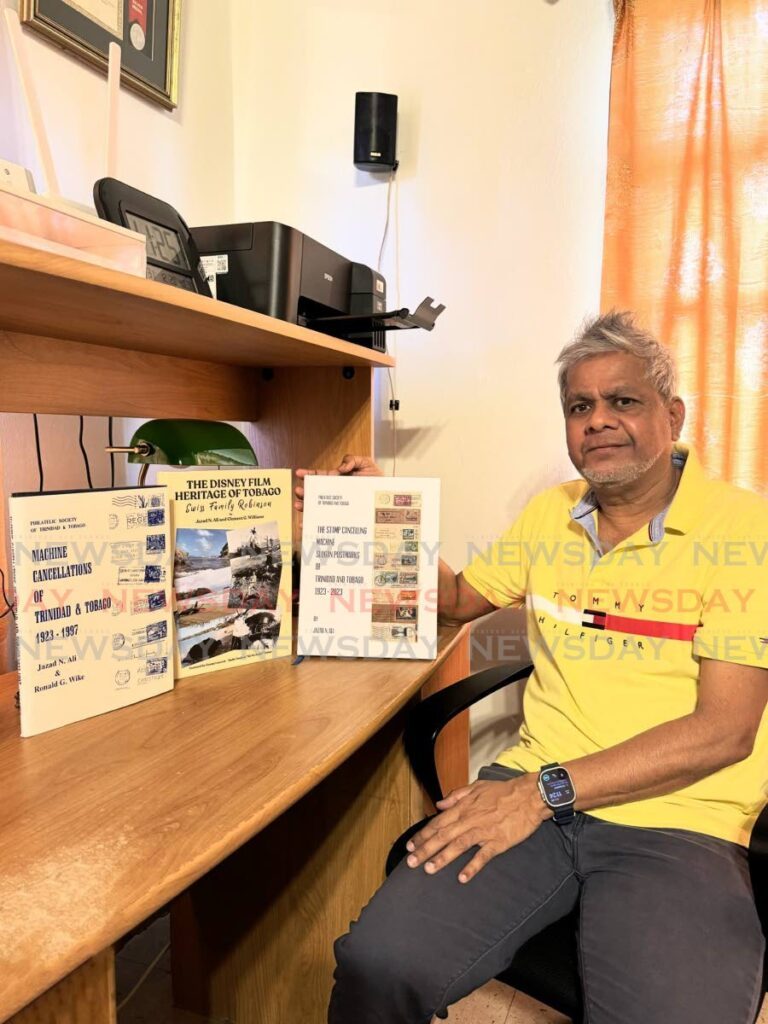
261	800
105	821
77	339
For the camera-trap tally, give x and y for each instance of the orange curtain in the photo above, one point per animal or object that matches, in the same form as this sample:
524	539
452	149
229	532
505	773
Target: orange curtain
686	228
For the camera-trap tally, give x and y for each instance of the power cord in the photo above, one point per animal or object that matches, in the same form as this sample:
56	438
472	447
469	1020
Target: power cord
386	220
111	454
9	606
39	453
144	977
394	401
394	404
85	456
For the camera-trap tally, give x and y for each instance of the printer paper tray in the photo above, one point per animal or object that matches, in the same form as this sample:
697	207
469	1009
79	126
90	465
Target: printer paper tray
398	319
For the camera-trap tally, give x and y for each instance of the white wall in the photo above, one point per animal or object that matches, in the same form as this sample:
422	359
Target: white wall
184	156
503	125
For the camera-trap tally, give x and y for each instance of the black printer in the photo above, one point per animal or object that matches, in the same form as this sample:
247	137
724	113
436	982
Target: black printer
277	270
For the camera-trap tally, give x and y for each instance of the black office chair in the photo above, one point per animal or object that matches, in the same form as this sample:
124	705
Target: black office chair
546	967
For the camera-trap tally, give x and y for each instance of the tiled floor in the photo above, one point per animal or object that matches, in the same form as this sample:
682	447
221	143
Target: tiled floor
492	1004
152	1003
497	1004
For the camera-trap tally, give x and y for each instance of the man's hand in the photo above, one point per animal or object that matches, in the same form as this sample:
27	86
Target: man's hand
492	815
350	465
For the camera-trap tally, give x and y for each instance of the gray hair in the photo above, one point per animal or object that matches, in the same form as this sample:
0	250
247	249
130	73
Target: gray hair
617	332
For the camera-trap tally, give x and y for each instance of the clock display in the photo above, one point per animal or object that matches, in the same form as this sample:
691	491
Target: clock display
163	244
172	256
170	277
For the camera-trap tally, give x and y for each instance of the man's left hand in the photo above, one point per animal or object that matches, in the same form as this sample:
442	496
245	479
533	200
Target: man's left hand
492	815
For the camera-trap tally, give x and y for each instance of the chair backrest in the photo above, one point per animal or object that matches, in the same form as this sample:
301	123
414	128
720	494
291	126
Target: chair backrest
426	720
758	870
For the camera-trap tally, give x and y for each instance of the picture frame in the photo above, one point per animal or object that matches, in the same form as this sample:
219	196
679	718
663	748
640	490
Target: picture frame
148	32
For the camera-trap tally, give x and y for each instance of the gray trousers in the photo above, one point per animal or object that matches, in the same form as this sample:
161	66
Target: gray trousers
668	929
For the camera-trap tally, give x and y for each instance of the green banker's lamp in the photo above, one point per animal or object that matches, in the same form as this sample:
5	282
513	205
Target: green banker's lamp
187	443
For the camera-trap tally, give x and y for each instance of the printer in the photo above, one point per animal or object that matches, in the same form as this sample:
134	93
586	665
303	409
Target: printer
277	270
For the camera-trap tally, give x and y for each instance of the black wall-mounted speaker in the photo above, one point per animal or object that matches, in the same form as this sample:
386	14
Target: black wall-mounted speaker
375	131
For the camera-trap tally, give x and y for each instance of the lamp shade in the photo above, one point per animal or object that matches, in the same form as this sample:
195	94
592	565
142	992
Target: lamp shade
191	443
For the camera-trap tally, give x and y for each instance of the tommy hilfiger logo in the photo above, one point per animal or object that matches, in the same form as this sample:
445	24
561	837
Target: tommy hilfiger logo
595	619
641	627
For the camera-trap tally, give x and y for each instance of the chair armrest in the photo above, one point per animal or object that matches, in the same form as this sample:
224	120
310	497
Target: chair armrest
428	718
758	866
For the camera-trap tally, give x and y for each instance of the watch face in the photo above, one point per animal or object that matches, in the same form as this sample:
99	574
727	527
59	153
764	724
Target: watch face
557	787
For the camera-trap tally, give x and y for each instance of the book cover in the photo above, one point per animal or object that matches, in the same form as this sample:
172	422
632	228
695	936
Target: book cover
92	573
231	566
370	551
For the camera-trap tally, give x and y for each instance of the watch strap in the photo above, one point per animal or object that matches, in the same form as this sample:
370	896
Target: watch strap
564	815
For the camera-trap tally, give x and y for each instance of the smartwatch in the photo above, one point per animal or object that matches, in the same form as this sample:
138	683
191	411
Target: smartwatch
557	792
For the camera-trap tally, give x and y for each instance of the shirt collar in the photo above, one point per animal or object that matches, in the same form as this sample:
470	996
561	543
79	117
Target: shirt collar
678	515
690	497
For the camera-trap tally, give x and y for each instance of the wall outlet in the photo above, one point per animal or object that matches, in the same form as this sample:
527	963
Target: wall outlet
16	177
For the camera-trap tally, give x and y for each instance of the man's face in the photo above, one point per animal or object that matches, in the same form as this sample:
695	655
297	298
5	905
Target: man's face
617	425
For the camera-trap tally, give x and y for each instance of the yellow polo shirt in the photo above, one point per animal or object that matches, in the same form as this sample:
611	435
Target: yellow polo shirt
616	640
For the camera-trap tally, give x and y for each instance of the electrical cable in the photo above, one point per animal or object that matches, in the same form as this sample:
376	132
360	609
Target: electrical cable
144	976
393	410
385	235
386	221
9	607
39	453
85	455
393	378
111	454
397	244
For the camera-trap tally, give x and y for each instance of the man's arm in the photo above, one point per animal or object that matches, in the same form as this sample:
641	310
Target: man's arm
457	601
719	732
498	815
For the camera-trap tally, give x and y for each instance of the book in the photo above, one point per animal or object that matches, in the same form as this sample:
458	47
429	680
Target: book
231	566
370	550
92	574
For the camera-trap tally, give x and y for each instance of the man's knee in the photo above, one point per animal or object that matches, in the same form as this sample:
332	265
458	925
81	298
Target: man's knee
387	969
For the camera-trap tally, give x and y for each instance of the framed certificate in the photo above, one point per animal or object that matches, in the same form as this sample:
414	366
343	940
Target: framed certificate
148	32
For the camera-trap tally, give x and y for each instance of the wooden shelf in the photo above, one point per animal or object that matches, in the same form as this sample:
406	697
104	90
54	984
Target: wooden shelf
271	790
106	820
46	295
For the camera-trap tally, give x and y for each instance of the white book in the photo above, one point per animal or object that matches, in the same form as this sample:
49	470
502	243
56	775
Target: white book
369	558
92	578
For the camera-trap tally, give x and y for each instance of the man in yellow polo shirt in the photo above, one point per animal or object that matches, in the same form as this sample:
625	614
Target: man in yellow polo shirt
642	761
620	641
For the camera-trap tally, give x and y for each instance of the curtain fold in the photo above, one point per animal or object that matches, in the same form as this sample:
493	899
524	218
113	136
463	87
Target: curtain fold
686	227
